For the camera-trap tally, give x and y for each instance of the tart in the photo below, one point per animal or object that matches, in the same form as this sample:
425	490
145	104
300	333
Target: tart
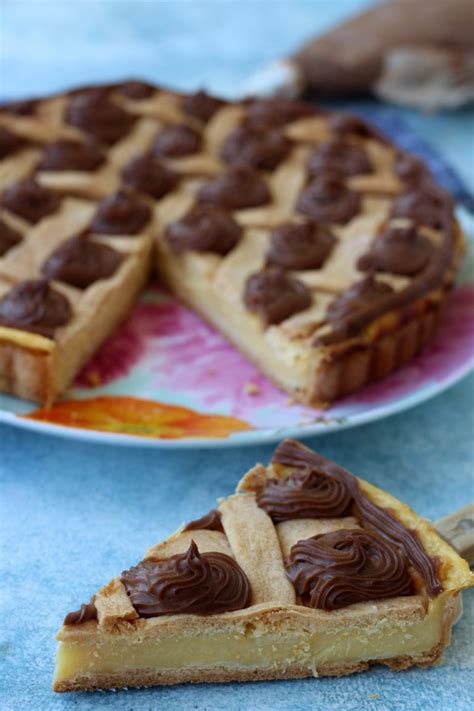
305	571
318	248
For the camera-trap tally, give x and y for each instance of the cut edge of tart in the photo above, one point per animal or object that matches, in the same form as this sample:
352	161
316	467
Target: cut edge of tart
305	571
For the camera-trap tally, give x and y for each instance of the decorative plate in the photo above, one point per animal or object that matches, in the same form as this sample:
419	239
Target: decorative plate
167	379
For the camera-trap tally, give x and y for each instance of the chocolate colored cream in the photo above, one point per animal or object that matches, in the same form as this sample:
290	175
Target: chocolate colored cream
176	141
378	520
8	238
34	306
344	124
275	296
328	200
30	200
94	112
277	112
425	205
353	300
340	157
209	522
71	155
204	228
398	250
333	570
84	614
187	583
135	89
80	262
146	174
20	108
262	148
10	143
308	493
300	245
201	105
239	187
121	214
410	170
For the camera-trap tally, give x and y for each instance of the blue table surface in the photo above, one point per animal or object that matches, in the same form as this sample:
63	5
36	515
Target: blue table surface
72	514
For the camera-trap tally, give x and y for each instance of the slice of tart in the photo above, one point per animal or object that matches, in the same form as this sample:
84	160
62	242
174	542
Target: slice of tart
305	571
66	285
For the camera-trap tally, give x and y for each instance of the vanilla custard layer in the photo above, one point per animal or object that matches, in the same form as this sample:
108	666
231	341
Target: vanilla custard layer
251	647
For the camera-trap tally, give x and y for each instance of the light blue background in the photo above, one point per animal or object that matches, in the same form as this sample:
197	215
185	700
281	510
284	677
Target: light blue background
73	515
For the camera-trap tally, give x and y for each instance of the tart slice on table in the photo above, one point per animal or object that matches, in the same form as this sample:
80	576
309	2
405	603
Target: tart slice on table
305	571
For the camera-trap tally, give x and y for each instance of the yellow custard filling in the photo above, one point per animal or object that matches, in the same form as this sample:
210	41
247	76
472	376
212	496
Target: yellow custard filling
251	647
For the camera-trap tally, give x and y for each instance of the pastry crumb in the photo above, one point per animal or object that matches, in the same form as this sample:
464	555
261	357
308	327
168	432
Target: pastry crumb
252	389
93	378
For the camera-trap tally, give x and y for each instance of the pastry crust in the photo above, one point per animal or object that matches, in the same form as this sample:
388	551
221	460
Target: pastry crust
277	636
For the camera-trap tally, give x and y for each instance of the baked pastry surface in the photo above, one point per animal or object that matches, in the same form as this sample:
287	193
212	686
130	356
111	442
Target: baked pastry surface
305	571
318	248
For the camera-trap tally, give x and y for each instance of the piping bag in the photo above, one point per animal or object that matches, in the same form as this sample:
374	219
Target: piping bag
417	53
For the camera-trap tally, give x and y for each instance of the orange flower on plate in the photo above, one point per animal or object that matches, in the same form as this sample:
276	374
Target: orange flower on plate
139	417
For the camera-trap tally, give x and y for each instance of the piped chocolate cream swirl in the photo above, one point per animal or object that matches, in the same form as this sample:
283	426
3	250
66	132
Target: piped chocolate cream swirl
94	113
187	583
398	250
303	245
210	522
349	124
425	204
121	214
340	157
275	296
328	200
262	148
411	171
28	199
176	141
201	105
277	112
80	262
146	174
34	306
240	187
204	228
294	455
135	89
10	143
333	570
84	614
308	493
71	155
344	310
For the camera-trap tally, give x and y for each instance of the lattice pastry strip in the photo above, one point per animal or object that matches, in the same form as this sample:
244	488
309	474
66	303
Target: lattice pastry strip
242	593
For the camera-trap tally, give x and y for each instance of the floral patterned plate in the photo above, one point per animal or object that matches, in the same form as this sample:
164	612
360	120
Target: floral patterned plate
167	379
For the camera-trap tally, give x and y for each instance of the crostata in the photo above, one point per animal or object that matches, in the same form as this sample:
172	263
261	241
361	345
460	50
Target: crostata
318	248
